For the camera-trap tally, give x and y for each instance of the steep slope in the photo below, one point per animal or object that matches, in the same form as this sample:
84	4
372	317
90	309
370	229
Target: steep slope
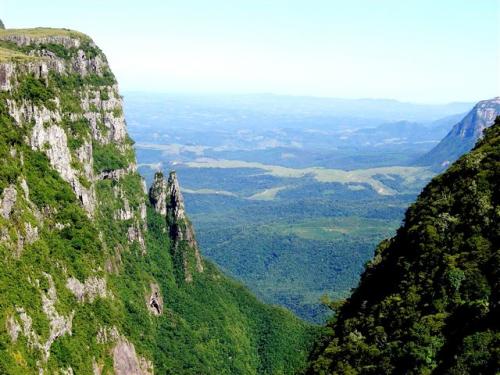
463	135
94	277
429	300
167	200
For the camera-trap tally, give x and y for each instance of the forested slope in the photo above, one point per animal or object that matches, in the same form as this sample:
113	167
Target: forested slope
429	300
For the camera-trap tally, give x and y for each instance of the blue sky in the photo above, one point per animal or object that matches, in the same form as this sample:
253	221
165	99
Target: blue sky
423	51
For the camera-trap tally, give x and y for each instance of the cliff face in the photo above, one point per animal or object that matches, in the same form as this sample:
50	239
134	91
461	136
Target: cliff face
64	135
463	135
167	200
95	278
429	301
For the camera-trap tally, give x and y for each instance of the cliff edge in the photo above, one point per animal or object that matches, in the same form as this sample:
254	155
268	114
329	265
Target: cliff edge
96	278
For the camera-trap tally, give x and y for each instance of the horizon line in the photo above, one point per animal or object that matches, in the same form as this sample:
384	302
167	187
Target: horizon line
262	94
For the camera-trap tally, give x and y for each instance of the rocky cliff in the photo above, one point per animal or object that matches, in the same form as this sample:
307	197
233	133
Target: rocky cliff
167	200
65	144
463	135
95	277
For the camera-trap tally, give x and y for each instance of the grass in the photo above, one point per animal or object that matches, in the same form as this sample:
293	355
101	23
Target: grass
7	54
268	194
358	176
10	55
335	228
209	191
41	32
11	52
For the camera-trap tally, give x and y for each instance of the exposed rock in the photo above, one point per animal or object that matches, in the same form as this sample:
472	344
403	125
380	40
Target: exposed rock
96	368
116	174
88	291
188	275
9	71
105	116
7	201
26	112
167	199
67	371
84	65
60	158
175	201
53	141
155	301
26	40
158	194
51	130
31	336
463	136
126	361
107	334
143	211
181	228
53	62
4	234
30	233
79	63
116	126
58	324
29	236
84	154
26	190
124	213
482	116
135	233
13	328
113	103
61	226
6	73
146	366
127	212
47	135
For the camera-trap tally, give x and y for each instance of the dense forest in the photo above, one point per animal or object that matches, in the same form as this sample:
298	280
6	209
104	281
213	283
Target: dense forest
428	302
308	240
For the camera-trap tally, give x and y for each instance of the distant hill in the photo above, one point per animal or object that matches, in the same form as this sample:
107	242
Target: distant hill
339	111
463	135
408	131
428	302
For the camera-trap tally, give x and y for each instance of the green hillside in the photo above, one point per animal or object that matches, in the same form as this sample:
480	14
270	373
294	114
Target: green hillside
88	267
428	303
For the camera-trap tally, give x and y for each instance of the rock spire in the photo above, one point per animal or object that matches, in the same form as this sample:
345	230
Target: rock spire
167	200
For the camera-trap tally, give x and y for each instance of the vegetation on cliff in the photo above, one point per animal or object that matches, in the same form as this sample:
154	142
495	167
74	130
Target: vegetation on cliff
84	256
429	300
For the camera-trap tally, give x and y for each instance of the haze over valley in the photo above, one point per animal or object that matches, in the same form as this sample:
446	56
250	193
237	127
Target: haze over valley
249	187
290	194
